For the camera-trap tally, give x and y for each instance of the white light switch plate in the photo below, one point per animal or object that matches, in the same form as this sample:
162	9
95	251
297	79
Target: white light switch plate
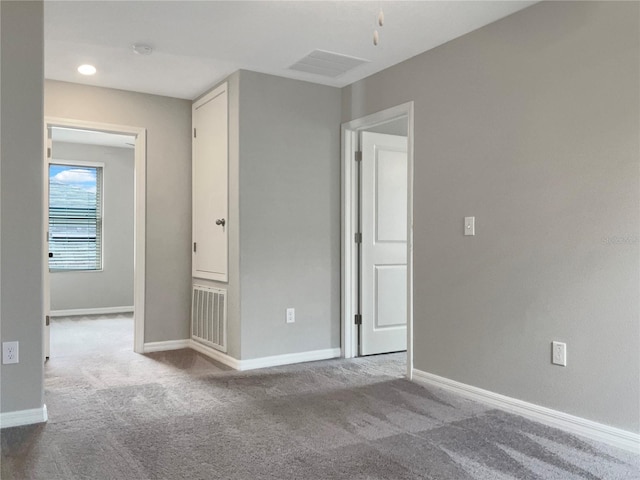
559	353
469	225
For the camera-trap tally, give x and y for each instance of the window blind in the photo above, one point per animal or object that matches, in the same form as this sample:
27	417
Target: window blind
75	217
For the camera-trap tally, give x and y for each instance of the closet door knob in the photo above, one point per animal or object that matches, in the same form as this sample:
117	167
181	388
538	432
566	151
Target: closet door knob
221	221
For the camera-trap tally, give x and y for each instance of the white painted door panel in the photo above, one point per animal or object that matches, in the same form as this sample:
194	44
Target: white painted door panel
210	184
384	243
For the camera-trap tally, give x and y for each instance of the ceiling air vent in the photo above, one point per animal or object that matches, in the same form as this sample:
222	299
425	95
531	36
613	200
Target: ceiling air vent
327	64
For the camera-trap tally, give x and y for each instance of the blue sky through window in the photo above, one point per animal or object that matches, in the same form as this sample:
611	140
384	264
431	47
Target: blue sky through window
83	178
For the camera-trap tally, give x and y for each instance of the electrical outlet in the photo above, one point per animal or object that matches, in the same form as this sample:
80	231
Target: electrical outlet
9	352
291	315
559	353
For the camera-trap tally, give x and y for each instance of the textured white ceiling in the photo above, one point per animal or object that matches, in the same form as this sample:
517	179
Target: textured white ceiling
198	43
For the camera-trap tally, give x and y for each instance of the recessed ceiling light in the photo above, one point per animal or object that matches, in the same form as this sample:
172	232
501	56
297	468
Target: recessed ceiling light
87	69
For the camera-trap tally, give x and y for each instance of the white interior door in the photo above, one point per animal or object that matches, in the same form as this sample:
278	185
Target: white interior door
46	284
210	184
384	243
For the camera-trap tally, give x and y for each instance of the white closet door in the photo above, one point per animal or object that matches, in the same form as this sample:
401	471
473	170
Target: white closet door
384	243
210	185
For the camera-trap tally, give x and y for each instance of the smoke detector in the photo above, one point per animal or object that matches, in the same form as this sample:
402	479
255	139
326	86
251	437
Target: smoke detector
141	49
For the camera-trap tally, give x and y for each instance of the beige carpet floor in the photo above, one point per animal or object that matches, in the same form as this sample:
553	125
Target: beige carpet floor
178	415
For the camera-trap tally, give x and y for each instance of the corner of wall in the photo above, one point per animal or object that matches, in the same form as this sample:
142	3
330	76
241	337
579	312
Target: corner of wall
21	192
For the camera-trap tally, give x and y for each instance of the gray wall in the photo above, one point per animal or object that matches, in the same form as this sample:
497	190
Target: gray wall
168	246
532	125
284	216
289	215
21	176
113	285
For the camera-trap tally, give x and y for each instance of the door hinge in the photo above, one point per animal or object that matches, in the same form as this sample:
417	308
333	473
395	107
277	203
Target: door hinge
194	133
357	156
357	319
48	152
46	320
358	238
194	247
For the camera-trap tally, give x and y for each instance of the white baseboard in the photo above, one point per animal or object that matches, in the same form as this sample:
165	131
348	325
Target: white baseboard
23	417
164	346
216	355
250	364
581	426
91	311
264	362
289	358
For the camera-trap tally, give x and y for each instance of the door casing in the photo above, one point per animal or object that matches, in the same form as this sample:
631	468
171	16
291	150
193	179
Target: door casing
349	207
140	161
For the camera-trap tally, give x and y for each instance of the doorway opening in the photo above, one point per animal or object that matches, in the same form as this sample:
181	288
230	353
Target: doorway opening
94	199
377	226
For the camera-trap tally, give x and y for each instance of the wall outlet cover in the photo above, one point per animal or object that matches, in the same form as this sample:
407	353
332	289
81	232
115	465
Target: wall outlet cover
469	225
10	352
291	315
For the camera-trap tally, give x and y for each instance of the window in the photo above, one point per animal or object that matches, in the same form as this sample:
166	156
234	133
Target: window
75	217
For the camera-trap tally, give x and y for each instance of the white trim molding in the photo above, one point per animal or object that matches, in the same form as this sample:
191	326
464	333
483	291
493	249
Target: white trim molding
216	355
165	346
92	311
569	423
140	222
289	358
349	220
23	417
264	362
250	364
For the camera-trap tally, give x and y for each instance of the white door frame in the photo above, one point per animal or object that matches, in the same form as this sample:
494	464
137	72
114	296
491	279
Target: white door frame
349	261
140	209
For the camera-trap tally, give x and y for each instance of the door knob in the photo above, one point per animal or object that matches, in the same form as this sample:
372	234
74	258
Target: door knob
221	221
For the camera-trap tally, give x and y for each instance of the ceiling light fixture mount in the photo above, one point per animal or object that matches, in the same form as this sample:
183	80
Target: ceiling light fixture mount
141	49
379	21
87	69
